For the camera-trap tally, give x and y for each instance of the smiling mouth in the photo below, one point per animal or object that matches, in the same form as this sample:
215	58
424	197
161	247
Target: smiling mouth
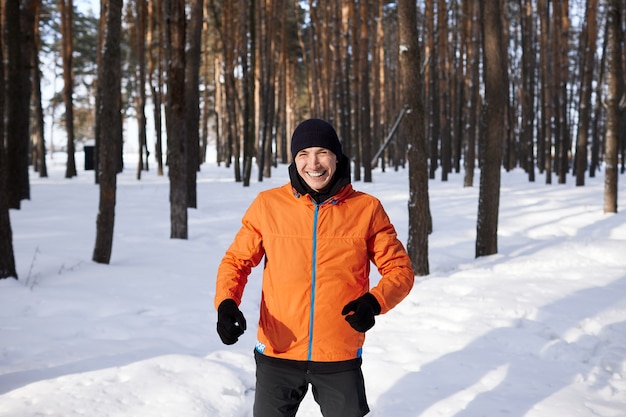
316	174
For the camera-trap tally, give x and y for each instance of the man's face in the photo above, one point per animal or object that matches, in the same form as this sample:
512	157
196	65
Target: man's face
316	166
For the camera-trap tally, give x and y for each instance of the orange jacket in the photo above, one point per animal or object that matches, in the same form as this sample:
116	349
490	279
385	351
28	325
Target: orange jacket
317	259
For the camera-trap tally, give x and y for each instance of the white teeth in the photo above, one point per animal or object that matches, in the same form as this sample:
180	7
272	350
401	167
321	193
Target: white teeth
315	174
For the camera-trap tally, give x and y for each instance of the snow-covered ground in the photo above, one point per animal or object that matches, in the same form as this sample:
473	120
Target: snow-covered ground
537	330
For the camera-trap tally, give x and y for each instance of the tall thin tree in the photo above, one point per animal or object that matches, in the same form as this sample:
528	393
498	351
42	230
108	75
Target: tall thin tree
248	65
174	17
7	257
494	68
67	17
109	115
588	48
419	218
141	13
614	95
192	98
17	103
528	88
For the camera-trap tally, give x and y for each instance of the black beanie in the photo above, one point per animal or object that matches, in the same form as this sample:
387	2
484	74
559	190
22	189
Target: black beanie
315	132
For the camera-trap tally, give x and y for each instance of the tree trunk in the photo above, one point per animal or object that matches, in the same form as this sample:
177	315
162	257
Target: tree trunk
598	112
588	48
108	113
7	258
174	16
248	70
141	11
267	65
155	72
473	87
192	99
355	92
419	218
614	94
443	74
67	17
561	48
494	67
18	105
432	88
39	161
528	89
364	94
544	137
344	74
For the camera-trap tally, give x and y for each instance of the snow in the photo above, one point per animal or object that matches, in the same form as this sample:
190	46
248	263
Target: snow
537	330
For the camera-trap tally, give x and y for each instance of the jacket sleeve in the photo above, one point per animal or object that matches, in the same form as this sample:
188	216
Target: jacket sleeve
392	261
244	253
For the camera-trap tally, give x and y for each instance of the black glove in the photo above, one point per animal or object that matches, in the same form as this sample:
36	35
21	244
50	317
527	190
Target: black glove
365	308
230	321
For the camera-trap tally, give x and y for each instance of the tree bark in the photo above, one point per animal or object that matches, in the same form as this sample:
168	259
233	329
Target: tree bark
141	12
528	89
444	87
419	218
544	136
588	48
364	94
39	148
7	257
174	16
472	84
17	105
494	67
108	113
248	65
67	13
155	75
192	98
614	94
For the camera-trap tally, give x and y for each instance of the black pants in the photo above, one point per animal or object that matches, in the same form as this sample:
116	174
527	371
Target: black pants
280	390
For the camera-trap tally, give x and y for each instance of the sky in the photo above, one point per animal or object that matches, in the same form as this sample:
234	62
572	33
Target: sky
537	330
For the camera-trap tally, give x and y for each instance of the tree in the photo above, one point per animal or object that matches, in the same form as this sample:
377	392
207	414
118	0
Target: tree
432	87
39	145
155	74
419	218
174	16
67	37
365	133
109	116
494	69
560	73
614	95
192	98
544	134
7	257
472	77
141	12
528	88
19	30
588	47
248	65
443	78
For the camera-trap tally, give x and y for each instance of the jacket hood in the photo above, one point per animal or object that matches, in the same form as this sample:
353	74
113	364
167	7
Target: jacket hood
340	179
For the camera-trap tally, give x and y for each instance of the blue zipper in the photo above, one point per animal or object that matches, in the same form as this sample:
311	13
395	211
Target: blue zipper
313	279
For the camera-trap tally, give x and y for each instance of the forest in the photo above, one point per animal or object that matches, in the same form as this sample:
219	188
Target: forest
431	86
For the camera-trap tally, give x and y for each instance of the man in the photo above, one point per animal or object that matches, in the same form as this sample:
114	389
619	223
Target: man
318	236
